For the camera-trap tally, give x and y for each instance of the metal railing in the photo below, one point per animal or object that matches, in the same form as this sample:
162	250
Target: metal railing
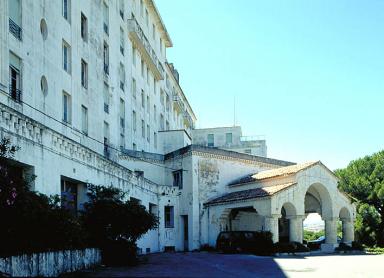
15	29
252	138
106	108
106	69
15	94
134	26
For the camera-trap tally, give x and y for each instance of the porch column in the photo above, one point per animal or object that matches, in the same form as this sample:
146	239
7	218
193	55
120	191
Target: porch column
348	231
296	228
331	231
330	235
272	225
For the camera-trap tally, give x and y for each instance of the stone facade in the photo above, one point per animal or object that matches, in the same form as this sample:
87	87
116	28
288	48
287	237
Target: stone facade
87	93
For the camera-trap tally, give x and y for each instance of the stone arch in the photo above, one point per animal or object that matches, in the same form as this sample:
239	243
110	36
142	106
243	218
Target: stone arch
344	214
290	225
319	193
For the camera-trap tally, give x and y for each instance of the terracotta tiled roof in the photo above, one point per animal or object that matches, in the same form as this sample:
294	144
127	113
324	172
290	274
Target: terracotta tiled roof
282	171
249	194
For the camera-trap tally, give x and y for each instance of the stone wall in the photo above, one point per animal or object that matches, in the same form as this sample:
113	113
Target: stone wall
49	264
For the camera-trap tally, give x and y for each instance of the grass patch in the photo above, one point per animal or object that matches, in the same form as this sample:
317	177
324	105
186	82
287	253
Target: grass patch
374	250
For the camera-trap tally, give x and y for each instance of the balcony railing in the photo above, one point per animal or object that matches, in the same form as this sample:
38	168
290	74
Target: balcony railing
106	69
106	108
15	29
15	94
137	35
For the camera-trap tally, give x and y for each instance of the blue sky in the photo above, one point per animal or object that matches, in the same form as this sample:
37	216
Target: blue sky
307	74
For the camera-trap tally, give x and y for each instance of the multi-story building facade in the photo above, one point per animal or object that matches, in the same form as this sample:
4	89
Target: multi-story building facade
87	93
230	138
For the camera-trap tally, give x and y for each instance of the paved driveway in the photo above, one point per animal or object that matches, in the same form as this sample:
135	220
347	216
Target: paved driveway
220	265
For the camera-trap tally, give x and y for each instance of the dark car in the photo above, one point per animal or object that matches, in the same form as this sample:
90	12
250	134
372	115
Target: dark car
316	244
236	241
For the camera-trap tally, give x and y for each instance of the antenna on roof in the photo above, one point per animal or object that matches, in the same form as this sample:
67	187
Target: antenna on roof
234	110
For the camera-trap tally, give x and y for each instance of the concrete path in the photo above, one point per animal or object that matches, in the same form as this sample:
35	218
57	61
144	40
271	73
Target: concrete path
220	265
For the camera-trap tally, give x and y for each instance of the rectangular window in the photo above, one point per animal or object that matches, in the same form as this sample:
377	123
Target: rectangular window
122	114
84	119
134	87
142	99
106	139
228	138
66	57
161	46
162	97
148	134
134	147
143	128
141	8
155	140
211	140
14	9
122	77
121	8
167	125
168	217
178	178
153	32
84	27
122	141
134	120
122	44
154	113
66	9
15	77
146	17
106	18
148	75
106	58
148	104
84	74
66	108
133	55
106	98
168	102
161	122
142	68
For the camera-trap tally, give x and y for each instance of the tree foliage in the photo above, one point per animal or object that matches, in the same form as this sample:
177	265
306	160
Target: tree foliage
115	224
363	179
30	221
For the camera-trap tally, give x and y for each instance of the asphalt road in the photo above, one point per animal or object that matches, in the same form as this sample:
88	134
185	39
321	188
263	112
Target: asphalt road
220	265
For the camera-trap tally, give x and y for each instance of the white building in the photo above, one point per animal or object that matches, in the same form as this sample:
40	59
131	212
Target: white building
230	138
88	95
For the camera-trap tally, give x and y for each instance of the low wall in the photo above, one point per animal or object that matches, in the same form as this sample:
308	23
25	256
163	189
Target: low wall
50	263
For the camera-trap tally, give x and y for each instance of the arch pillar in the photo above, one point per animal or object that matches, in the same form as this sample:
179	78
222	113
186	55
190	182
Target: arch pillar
272	225
296	228
330	235
348	231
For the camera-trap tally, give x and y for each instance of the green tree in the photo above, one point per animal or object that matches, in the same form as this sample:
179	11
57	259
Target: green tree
114	224
363	179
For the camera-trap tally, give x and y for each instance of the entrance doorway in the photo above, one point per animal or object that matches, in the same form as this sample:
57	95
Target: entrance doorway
185	232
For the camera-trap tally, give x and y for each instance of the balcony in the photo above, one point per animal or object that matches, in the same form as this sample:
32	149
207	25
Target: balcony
15	29
141	42
178	103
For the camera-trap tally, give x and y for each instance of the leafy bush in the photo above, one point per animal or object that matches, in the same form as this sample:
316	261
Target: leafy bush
114	225
32	222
